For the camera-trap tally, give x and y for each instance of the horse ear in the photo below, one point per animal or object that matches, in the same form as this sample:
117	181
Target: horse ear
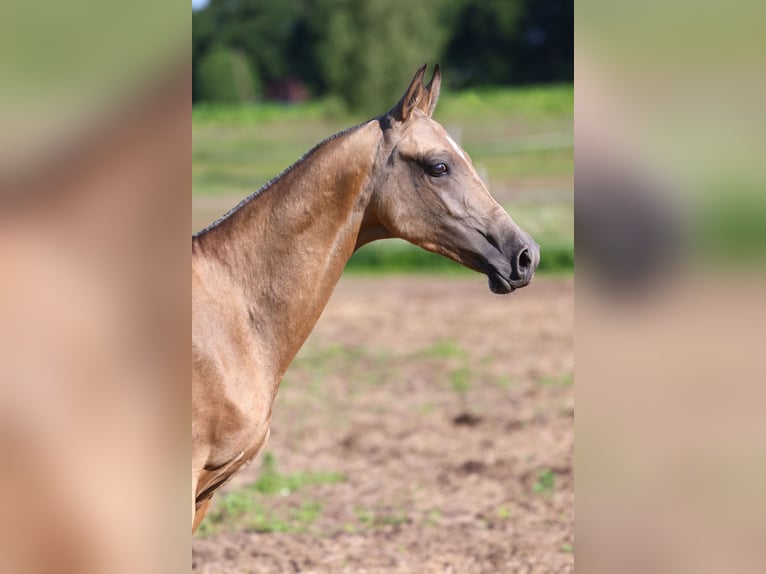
428	103
409	102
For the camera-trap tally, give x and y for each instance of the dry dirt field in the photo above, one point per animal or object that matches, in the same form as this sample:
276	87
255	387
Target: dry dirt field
426	426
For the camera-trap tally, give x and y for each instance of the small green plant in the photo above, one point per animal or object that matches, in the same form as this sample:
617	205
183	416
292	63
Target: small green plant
503	513
504	381
371	519
460	380
567	548
426	408
365	516
433	518
546	482
307	512
562	380
271	481
444	349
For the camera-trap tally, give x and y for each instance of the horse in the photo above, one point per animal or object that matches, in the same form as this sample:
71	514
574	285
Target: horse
263	273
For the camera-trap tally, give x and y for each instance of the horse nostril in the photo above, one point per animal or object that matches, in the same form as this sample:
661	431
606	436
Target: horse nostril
524	260
523	265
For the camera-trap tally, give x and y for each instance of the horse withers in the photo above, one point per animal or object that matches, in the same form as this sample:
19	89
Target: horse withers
263	273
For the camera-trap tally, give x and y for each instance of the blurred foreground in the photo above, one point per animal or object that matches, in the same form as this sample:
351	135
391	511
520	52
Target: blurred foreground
670	309
94	296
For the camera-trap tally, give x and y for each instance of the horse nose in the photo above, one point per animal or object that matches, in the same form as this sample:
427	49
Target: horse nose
524	264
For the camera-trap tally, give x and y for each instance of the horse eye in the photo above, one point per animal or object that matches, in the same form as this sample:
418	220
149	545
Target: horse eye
438	169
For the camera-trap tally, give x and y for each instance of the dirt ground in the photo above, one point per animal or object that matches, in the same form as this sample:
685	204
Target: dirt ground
448	414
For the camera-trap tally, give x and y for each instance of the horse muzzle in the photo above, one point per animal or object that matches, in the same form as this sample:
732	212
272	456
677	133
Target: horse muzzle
524	260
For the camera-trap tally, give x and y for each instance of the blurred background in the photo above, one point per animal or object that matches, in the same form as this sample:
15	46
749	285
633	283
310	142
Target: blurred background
362	53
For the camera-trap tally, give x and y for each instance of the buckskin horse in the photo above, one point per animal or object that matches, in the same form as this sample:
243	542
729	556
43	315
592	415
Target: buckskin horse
263	273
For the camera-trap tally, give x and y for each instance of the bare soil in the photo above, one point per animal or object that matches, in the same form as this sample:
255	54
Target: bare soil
449	413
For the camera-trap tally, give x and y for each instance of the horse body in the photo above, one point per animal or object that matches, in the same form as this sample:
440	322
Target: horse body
262	275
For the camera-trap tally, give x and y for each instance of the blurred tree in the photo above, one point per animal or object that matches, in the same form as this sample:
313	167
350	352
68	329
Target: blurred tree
480	49
202	41
367	51
224	76
261	29
511	41
545	49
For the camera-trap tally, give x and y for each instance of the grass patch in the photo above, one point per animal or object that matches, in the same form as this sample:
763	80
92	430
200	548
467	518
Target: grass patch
545	483
563	380
460	381
529	102
433	518
375	518
248	508
262	112
272	481
444	349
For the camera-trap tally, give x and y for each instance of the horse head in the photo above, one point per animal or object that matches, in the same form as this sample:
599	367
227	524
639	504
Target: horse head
426	191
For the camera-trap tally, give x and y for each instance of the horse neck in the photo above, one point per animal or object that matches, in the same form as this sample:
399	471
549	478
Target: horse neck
286	248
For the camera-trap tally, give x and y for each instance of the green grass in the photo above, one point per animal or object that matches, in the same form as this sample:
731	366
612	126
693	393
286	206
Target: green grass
460	380
375	518
247	509
271	481
562	380
444	349
531	102
546	482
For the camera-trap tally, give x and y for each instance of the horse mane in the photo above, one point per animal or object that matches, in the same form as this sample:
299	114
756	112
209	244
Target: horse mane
274	180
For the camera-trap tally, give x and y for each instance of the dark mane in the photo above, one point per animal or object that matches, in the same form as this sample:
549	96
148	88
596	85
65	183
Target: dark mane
272	181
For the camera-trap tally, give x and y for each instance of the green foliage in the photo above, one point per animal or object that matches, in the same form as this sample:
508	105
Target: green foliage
511	41
479	50
261	29
368	51
224	76
365	51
